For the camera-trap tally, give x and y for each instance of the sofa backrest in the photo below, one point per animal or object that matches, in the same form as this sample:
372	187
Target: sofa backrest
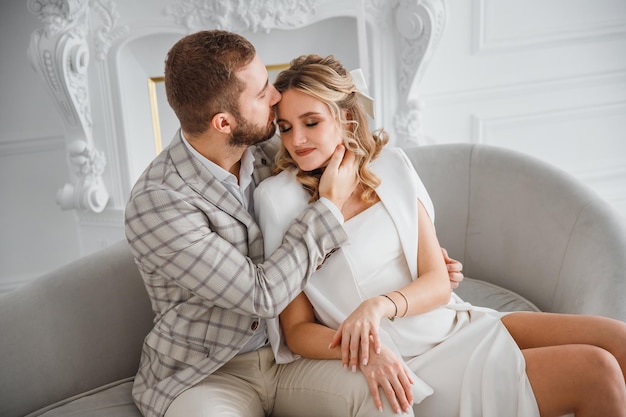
522	224
72	330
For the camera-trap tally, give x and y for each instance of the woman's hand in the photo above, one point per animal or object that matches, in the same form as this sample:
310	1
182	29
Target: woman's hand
358	329
387	371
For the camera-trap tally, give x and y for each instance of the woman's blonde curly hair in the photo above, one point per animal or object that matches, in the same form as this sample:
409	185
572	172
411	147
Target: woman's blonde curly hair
328	81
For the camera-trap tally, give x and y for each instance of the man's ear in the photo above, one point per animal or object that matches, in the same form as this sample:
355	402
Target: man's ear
223	122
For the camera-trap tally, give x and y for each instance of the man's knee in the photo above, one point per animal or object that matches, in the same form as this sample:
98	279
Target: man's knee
209	399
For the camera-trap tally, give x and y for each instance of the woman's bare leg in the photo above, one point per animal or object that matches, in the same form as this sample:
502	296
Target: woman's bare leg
530	330
576	379
575	364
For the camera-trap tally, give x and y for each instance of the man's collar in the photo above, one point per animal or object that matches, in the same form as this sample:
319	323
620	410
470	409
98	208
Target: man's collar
245	170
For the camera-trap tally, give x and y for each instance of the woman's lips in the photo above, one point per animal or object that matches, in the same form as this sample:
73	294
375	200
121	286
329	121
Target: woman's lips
304	152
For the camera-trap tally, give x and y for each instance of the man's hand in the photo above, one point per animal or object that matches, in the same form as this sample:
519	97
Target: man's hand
339	178
455	270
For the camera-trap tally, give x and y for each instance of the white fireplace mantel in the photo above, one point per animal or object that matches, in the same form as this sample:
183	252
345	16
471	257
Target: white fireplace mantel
98	57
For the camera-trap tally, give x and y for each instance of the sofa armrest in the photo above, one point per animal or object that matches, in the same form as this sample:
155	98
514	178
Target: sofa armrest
72	330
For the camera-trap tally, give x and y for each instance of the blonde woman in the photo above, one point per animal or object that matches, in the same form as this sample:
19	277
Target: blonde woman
382	304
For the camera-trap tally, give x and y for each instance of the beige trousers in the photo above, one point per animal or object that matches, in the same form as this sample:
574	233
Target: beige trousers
253	385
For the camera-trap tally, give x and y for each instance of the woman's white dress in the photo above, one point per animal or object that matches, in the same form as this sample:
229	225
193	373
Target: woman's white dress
464	360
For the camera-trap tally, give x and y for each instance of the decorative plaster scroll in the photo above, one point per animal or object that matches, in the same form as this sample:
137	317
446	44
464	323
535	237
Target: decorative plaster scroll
104	35
88	164
419	25
60	53
408	124
242	15
56	15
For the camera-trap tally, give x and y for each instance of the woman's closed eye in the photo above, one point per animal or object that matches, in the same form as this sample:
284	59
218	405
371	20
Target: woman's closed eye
282	128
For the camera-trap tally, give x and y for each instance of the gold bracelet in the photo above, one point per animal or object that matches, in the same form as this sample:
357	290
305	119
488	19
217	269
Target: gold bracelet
394	304
405	300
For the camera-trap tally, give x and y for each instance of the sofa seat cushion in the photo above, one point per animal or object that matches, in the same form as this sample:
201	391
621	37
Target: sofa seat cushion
112	400
484	294
115	400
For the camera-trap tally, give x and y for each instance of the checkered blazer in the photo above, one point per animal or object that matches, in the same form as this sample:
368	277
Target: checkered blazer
200	254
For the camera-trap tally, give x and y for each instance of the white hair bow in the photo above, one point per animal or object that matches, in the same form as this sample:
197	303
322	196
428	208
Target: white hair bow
361	86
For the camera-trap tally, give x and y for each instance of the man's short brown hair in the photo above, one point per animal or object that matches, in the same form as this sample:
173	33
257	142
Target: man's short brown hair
200	76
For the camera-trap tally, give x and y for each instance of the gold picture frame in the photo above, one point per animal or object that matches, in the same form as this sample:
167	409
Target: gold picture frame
273	70
156	91
153	93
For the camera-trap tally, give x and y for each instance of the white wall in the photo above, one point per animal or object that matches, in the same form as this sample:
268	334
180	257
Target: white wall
550	82
543	77
35	235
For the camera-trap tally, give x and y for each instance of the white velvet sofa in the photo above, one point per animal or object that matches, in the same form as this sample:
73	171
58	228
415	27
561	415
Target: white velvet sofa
528	235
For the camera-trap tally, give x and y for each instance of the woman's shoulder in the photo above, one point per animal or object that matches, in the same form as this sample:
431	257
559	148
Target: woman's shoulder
277	201
392	157
281	189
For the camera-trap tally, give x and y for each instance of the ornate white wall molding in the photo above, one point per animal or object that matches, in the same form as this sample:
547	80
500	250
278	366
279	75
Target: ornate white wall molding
416	26
241	15
395	40
419	26
408	124
87	164
60	53
31	145
109	30
499	28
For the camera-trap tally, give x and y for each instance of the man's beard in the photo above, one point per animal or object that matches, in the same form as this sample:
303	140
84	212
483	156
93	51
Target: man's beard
247	134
